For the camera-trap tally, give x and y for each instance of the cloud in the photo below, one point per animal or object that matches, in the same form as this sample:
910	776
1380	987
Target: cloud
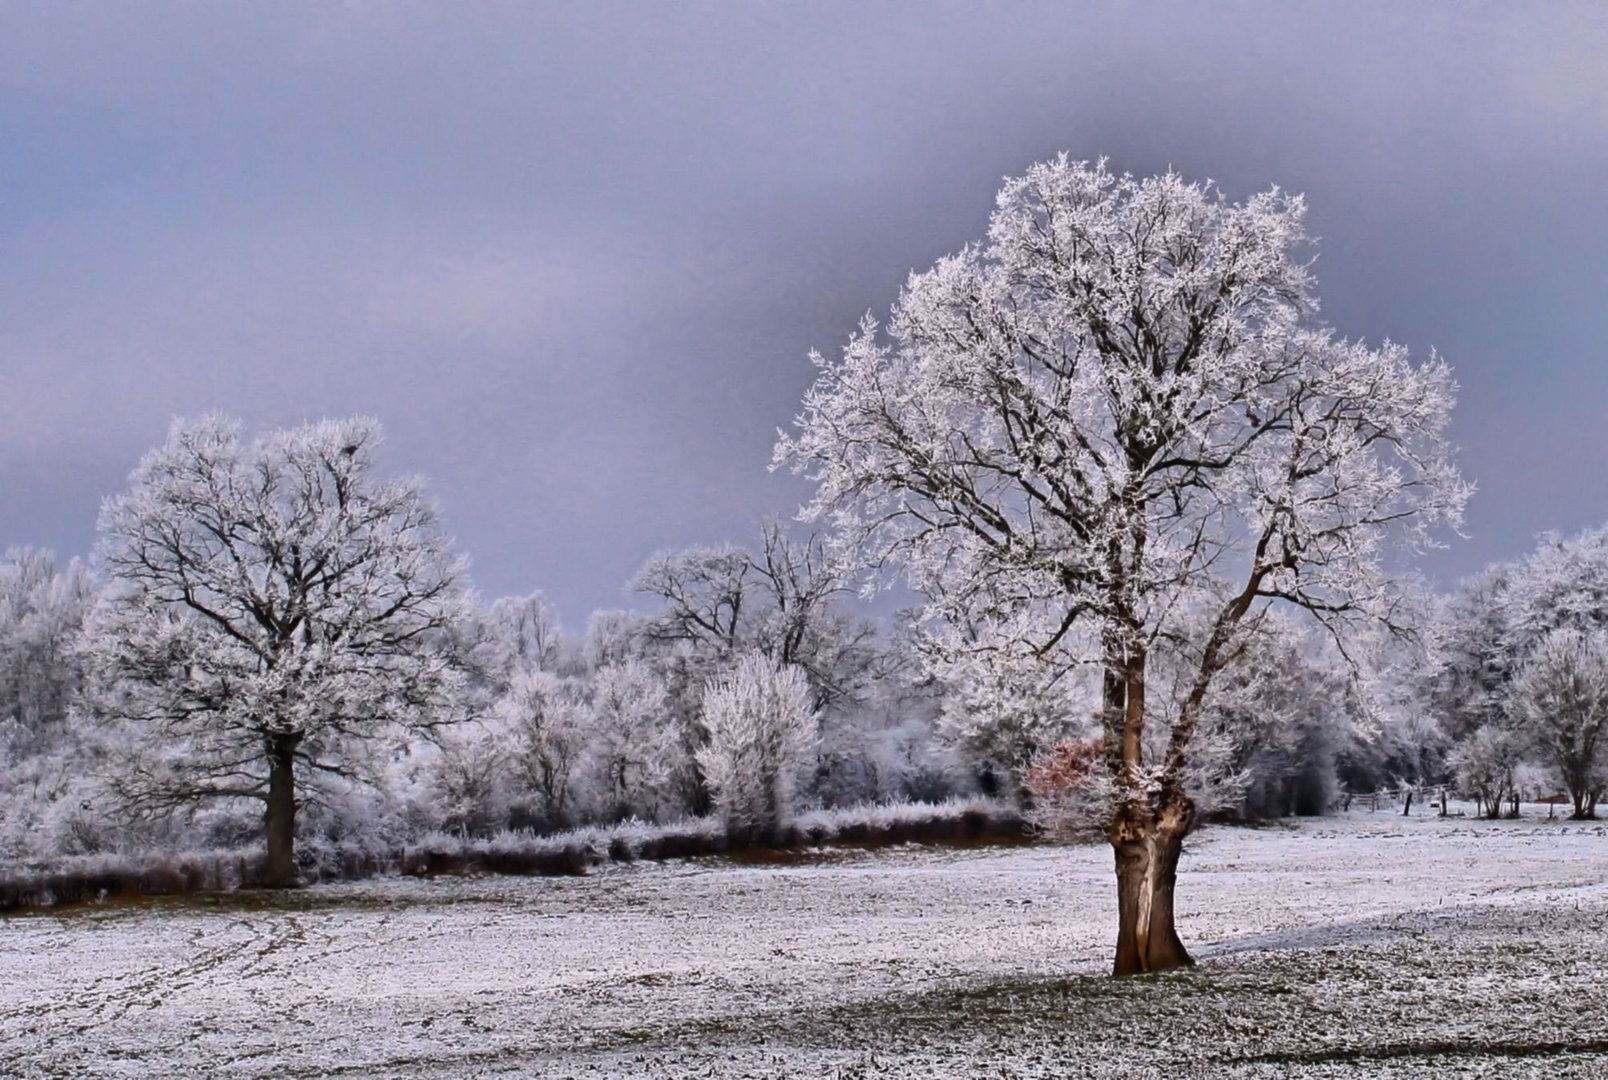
574	255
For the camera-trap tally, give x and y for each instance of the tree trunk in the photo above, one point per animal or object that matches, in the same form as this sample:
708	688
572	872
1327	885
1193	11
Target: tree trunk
280	819
1147	831
1582	793
1147	850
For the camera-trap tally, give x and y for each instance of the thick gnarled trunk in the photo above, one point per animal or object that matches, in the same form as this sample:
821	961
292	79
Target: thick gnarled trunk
1147	849
1146	830
279	820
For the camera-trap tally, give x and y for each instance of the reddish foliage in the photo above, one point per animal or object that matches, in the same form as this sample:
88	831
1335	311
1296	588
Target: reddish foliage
1068	767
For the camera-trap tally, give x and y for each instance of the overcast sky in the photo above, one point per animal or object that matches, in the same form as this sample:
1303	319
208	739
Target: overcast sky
574	255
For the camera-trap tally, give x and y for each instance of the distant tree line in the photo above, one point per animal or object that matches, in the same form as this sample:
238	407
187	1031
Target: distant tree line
148	703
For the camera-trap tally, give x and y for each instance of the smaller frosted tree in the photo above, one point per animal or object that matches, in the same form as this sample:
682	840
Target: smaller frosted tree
544	720
276	613
634	752
762	730
1560	700
468	780
42	607
1486	765
1474	655
1070	789
519	634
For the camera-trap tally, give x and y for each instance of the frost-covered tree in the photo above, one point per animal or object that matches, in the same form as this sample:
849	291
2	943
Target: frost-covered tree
1265	746
1485	765
1560	704
1541	615
1496	618
1472	661
468	780
545	724
51	798
1561	585
613	637
1285	710
521	633
782	601
704	591
762	729
276	612
42	607
634	750
803	623
706	595
1115	416
1003	713
889	749
1070	788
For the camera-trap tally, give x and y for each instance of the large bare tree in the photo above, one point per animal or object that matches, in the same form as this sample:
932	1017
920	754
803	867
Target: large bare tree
1116	427
275	610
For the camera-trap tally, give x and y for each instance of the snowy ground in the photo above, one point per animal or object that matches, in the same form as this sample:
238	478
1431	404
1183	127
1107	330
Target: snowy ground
1365	945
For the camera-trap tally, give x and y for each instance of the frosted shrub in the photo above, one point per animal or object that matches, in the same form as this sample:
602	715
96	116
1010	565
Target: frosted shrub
1070	789
761	731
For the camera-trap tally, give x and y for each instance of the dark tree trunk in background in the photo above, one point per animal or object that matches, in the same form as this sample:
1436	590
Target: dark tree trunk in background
280	819
1582	794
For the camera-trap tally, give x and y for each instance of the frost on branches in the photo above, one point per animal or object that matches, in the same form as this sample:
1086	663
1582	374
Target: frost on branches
783	601
44	792
1116	425
275	613
546	718
1517	684
762	731
1561	699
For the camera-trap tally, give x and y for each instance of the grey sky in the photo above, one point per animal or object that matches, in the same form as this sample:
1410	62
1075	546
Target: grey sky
574	255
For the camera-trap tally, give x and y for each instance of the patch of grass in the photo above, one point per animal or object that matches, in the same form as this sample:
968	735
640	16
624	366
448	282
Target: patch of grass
1282	1012
1430	1048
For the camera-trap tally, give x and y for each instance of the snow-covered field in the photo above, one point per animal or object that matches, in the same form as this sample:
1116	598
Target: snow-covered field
1363	945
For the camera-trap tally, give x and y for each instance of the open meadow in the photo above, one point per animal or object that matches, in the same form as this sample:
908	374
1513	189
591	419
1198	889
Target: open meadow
1366	944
